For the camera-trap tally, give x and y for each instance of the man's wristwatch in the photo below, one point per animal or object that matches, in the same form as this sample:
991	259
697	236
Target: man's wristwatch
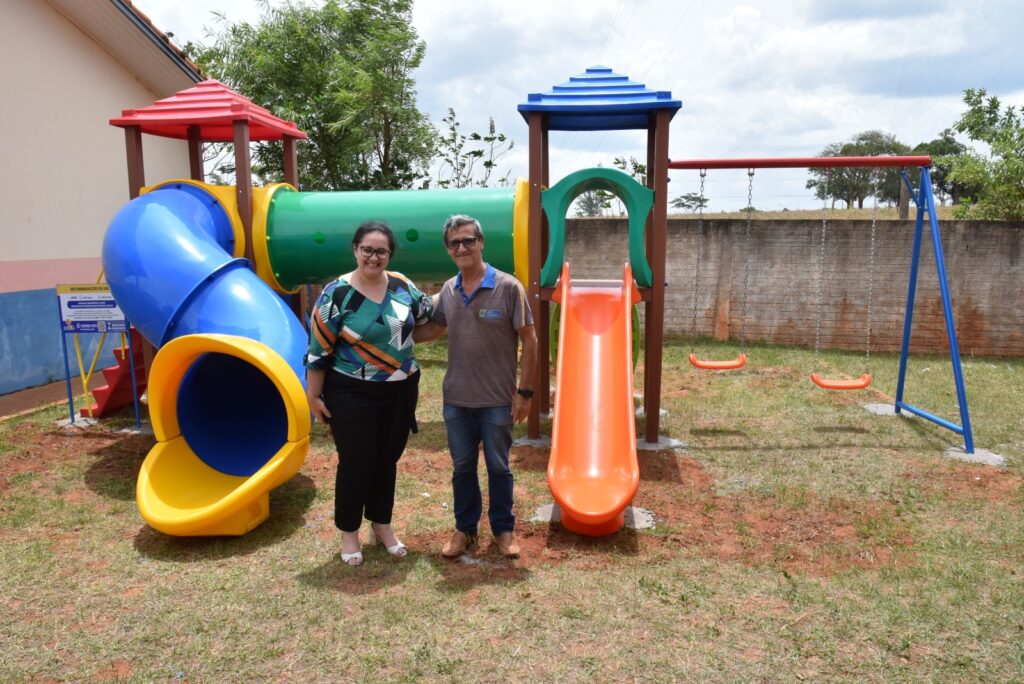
525	393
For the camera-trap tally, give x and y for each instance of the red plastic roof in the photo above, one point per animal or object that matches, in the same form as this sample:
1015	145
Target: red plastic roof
213	107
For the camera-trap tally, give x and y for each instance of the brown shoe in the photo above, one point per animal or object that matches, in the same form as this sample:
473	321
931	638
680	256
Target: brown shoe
458	544
507	545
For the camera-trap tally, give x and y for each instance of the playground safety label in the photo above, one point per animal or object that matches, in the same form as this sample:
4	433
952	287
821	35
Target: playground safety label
89	309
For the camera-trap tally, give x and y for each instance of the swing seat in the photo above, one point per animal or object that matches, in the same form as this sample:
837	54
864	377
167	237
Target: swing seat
729	364
860	383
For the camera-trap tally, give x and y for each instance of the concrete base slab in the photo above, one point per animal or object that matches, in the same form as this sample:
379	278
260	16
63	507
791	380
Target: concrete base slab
634	518
547	513
80	423
639	518
542	441
881	409
662	444
640	412
979	456
886	410
144	429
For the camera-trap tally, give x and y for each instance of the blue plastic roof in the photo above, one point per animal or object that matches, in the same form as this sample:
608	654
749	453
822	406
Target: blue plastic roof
598	100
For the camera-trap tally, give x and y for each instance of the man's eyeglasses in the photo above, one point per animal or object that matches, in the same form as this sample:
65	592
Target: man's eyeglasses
380	252
468	243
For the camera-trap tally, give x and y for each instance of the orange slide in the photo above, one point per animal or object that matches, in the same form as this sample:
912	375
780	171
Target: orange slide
593	472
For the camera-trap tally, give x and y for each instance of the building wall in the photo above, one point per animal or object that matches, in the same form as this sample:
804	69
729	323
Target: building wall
64	176
780	301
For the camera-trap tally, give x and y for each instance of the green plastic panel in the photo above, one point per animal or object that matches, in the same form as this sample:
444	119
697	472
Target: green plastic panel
309	234
556	200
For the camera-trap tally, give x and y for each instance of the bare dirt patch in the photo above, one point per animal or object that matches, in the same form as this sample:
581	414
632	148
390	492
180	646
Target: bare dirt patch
119	670
968	480
820	538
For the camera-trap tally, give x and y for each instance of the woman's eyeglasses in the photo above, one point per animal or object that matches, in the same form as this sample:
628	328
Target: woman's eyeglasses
380	252
468	243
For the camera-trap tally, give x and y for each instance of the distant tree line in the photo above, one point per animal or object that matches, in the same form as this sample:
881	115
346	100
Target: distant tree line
985	184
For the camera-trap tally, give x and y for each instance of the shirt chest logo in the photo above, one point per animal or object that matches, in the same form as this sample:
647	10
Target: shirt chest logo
490	313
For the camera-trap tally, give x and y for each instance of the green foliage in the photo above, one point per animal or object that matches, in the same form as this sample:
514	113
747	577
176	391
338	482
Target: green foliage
691	201
854	185
994	181
343	73
634	168
593	203
943	151
465	161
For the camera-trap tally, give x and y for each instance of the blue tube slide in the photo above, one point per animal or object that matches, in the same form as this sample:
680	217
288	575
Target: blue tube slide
167	258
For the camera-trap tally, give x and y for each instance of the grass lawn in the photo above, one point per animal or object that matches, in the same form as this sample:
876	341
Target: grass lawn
799	538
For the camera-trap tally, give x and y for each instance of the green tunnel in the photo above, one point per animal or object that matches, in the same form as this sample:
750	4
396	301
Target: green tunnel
308	235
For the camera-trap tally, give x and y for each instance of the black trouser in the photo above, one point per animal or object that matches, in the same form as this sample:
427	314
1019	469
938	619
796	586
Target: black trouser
370	422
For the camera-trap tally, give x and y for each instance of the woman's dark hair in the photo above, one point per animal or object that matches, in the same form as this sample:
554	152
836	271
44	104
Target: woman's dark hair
375	227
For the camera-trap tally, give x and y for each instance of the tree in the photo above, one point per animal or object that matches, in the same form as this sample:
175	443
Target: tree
993	182
343	73
943	151
593	203
634	168
464	161
854	185
691	202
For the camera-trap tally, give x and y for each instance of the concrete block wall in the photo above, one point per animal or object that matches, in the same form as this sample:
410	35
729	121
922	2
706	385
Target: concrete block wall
778	262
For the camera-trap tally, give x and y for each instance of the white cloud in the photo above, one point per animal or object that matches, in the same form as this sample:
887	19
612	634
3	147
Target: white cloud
784	78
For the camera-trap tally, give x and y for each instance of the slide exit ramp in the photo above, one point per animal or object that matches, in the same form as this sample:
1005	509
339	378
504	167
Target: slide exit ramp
593	471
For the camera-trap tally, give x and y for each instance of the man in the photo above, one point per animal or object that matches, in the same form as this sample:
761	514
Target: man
487	316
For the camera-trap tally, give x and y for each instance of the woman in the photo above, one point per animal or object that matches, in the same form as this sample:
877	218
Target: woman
362	379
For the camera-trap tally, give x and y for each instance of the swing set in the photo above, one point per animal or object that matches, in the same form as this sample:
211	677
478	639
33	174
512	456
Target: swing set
924	200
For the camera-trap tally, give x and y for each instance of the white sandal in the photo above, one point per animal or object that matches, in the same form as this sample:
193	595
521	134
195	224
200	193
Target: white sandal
398	550
356	557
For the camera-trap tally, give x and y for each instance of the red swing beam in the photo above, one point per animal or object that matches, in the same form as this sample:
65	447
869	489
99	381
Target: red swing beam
798	163
803	162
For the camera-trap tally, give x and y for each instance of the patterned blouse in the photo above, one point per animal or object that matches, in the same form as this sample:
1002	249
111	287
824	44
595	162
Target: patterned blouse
363	339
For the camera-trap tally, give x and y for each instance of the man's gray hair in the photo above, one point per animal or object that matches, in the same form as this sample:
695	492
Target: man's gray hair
457	221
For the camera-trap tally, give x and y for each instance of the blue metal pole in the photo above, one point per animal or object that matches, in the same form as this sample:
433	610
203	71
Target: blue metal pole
908	317
131	367
67	368
947	309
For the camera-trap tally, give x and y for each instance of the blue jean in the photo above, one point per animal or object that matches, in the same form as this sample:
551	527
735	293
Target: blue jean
467	428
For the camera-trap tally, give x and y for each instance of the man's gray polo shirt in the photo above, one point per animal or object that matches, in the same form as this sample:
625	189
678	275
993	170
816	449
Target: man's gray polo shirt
483	338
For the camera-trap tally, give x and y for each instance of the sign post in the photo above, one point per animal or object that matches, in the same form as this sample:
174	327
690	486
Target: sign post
92	309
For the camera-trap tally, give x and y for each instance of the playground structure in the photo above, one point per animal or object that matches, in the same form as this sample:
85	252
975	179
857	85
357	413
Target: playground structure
208	274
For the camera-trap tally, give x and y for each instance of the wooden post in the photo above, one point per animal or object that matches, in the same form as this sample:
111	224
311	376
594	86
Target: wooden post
243	184
136	168
543	341
656	250
536	181
195	155
291	176
904	210
136	181
291	162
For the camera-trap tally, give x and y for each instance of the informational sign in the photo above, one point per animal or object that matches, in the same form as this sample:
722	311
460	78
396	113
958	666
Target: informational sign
89	309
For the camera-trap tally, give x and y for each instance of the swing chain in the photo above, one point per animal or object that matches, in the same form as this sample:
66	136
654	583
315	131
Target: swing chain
871	283
821	264
746	258
696	269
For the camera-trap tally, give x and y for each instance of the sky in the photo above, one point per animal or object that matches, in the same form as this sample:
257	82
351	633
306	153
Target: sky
756	79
